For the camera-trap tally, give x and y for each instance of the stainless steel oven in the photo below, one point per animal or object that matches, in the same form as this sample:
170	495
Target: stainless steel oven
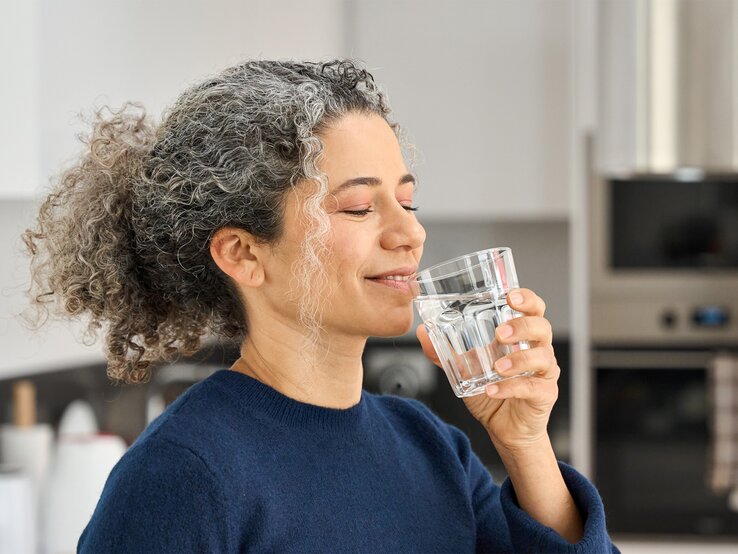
664	303
653	446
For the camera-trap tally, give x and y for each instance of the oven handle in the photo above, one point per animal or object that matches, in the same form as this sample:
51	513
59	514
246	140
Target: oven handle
652	359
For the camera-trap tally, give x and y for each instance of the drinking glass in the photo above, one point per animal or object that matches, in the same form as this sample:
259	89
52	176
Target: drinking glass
461	302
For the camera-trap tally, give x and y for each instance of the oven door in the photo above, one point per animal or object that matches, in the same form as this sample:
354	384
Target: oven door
652	446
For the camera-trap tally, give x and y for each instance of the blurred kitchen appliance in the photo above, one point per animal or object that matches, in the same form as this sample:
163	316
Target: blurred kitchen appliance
668	86
664	259
654	444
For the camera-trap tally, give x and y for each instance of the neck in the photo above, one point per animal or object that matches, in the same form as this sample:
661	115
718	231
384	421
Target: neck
329	374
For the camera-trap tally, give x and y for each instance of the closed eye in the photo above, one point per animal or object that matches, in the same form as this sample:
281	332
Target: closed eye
357	212
365	212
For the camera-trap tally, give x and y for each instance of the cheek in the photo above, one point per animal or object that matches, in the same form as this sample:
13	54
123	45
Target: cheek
350	248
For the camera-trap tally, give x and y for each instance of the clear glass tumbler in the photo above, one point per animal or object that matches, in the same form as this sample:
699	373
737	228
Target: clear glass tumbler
461	302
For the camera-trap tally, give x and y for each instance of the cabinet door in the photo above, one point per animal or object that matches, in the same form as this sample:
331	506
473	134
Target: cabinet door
483	88
19	138
95	53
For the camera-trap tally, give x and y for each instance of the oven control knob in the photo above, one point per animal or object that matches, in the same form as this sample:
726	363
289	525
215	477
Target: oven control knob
668	319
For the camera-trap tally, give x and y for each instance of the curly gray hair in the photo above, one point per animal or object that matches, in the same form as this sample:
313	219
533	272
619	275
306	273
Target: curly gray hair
124	234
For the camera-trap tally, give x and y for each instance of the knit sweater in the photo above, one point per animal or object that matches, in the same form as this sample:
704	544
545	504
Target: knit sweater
235	466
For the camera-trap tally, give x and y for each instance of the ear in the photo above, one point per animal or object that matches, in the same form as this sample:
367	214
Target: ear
239	255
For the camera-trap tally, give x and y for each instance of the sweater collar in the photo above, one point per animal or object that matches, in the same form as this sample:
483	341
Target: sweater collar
263	400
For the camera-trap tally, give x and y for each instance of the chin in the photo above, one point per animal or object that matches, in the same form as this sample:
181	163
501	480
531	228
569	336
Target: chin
393	328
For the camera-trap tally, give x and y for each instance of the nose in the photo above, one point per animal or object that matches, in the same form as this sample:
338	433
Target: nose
402	230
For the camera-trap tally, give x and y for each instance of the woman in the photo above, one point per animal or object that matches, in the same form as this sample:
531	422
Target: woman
273	207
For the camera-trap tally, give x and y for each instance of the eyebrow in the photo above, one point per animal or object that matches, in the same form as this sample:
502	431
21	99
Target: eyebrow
372	182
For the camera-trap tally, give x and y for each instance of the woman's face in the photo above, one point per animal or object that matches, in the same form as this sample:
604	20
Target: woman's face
374	233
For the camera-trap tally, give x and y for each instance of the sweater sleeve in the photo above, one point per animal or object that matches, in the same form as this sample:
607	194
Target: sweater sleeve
502	525
160	497
525	533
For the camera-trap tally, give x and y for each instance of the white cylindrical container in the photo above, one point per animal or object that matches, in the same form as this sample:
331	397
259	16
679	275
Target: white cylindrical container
82	465
83	460
28	446
17	512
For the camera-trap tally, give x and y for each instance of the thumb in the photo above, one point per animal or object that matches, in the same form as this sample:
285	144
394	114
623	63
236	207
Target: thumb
427	345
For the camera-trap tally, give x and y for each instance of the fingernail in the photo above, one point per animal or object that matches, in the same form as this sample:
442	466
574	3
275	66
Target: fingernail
492	389
516	298
504	331
503	365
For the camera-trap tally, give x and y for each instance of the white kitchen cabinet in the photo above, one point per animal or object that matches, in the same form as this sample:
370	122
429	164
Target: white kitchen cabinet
484	89
19	96
70	57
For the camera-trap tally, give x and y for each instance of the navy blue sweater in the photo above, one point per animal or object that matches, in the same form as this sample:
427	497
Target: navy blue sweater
233	465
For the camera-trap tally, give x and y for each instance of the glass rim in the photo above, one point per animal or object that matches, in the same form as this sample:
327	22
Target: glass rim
495	253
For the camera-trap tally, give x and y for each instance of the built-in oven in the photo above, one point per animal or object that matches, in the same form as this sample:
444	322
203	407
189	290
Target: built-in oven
655	453
664	305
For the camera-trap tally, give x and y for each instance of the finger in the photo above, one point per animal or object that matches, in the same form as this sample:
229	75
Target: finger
422	333
540	360
526	301
543	392
527	328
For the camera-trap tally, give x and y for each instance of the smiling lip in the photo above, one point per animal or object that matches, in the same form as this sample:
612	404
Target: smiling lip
397	284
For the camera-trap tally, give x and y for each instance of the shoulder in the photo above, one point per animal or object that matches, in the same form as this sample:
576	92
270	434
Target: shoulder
159	460
157	476
202	428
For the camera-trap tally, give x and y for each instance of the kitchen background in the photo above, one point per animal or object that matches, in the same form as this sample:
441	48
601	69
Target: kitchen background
597	138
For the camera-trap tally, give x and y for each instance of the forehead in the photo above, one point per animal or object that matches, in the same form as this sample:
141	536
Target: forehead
360	145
